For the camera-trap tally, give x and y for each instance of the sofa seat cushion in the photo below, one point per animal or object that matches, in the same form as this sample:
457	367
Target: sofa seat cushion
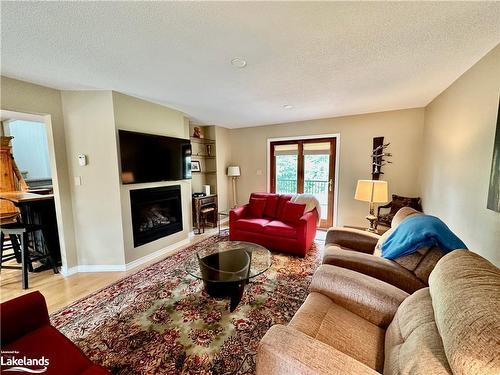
280	229
64	357
412	342
252	224
336	326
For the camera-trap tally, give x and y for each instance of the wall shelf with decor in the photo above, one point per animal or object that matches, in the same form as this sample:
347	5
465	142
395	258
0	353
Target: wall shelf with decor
204	155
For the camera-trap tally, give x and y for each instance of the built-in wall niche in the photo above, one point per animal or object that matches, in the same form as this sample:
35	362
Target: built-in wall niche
203	146
156	213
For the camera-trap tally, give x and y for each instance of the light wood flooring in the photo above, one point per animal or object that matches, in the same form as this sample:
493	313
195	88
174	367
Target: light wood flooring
60	291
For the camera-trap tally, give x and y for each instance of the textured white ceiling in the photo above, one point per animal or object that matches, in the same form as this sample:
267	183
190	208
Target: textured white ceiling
325	59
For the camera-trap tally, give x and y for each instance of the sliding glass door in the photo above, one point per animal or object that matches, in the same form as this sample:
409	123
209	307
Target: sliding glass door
305	166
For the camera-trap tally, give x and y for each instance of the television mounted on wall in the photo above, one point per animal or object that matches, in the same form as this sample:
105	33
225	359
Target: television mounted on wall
153	158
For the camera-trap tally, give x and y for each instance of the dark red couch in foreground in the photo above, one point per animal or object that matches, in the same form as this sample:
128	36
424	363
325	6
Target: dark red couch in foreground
276	226
26	332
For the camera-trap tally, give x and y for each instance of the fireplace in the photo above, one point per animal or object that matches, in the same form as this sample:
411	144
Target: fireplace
156	213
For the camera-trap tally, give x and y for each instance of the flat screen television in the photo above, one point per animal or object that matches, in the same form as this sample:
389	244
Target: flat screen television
152	158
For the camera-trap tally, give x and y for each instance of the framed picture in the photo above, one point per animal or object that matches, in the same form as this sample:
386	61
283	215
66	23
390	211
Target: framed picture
494	188
195	166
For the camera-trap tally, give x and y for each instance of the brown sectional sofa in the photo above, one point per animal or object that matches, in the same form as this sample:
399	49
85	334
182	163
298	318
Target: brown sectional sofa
355	324
359	250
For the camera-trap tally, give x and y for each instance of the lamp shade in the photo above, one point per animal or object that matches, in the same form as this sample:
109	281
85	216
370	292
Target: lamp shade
233	171
372	191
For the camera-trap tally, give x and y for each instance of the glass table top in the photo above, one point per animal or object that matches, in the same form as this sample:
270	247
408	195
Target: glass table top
229	261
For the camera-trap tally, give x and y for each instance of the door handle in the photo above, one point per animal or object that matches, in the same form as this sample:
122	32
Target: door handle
330	184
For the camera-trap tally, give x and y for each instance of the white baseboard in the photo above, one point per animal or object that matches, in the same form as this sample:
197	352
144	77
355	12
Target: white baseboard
162	252
124	267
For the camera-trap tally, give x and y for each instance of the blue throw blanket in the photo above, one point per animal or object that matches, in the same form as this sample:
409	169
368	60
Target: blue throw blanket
419	231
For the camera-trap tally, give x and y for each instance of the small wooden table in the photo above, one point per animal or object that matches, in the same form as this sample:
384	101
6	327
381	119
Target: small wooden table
200	203
38	209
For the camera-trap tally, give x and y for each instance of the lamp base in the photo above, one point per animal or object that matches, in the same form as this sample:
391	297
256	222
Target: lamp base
371	219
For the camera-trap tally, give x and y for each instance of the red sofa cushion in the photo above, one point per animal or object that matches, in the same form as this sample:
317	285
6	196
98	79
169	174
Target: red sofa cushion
271	206
256	207
280	229
251	224
281	204
64	357
292	212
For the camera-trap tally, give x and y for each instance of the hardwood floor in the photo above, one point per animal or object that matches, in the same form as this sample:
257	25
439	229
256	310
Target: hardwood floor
60	291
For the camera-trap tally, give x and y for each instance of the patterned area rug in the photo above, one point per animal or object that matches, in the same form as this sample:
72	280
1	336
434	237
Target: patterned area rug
160	321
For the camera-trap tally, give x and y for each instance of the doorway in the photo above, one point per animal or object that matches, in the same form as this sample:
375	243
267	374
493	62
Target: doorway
306	165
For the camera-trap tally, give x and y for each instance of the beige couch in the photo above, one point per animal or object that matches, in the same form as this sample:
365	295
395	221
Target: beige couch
354	324
359	250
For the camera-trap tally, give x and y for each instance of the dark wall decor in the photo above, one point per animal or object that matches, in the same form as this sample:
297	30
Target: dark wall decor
378	154
494	190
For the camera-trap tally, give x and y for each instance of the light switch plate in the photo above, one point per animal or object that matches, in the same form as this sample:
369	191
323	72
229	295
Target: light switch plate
82	160
259	172
78	180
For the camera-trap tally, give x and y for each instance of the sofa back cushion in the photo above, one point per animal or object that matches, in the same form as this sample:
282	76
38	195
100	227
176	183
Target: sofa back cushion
292	212
410	262
272	203
271	206
256	207
465	291
412	341
283	198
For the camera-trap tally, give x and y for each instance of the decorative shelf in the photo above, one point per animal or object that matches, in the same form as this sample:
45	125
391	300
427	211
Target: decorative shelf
204	141
202	156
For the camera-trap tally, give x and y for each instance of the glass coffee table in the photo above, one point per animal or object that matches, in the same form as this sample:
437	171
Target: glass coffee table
227	266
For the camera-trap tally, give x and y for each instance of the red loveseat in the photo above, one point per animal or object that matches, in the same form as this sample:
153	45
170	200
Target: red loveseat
274	229
26	332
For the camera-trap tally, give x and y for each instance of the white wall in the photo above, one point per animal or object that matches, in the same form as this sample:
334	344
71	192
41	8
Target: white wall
458	147
90	130
402	128
135	114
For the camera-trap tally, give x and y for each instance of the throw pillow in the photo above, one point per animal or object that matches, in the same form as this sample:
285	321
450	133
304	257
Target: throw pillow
292	212
282	199
271	206
257	206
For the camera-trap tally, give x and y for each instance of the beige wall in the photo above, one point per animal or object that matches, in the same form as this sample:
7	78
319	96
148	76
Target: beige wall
402	128
135	114
90	130
458	147
25	97
223	153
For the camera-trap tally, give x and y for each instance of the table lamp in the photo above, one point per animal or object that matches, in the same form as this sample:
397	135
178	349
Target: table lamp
234	172
372	191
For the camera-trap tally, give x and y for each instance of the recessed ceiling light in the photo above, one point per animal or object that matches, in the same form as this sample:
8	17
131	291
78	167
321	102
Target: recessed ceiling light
288	106
239	62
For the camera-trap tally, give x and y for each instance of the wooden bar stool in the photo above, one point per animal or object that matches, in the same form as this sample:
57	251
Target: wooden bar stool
204	213
21	233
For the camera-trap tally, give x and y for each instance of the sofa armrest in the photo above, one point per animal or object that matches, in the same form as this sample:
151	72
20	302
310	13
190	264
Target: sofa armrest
284	350
372	299
307	227
22	315
355	239
371	265
237	213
